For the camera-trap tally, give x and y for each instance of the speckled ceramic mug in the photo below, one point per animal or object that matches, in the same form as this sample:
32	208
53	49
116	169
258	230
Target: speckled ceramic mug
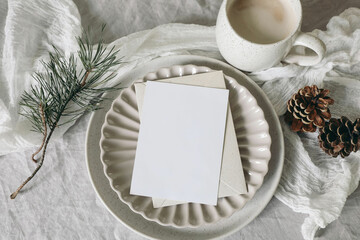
251	56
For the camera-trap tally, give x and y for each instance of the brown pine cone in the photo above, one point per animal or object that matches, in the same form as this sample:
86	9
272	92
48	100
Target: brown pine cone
308	109
340	137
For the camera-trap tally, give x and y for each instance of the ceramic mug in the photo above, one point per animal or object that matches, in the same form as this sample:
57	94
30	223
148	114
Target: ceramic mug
251	56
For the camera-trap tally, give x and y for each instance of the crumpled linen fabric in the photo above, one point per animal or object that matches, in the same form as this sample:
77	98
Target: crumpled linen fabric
28	31
312	182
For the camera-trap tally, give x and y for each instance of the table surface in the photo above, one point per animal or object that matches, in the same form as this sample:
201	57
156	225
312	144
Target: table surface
123	17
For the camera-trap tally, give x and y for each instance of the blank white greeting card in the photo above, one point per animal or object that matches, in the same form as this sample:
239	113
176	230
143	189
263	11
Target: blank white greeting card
232	180
180	143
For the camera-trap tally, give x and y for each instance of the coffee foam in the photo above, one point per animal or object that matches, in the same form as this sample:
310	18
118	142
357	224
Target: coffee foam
262	21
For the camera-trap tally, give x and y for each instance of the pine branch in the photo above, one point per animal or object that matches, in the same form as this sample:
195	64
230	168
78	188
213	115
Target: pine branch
62	94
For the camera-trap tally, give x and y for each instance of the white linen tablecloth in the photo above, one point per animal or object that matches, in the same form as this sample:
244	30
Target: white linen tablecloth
60	203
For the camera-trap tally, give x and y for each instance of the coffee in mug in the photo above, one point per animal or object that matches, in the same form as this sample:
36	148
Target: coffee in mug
262	21
254	35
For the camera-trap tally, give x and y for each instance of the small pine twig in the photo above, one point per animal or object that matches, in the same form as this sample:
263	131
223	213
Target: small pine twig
62	91
14	194
85	77
45	134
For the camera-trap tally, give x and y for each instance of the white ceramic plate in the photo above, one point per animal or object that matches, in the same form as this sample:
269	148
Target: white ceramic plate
118	146
150	229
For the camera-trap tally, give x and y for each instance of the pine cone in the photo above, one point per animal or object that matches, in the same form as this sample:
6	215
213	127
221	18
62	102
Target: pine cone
340	137
308	109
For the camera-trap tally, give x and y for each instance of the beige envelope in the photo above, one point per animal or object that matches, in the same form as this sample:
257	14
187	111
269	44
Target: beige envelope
232	180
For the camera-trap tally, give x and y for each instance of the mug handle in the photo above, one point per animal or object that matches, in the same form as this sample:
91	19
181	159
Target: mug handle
303	57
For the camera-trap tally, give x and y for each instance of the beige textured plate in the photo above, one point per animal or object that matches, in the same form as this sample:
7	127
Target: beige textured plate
118	146
150	229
